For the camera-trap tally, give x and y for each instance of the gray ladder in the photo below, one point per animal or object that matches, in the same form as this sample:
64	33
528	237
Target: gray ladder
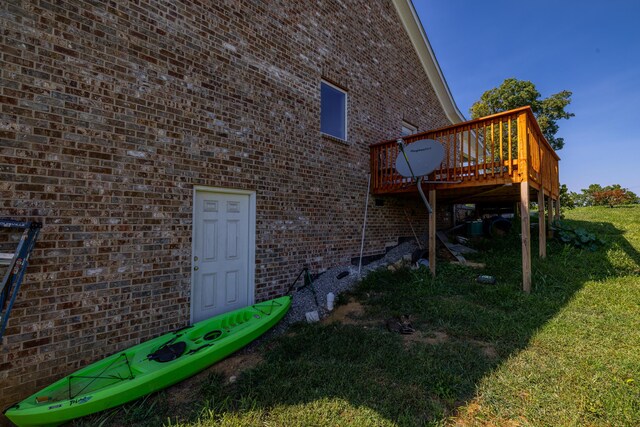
16	264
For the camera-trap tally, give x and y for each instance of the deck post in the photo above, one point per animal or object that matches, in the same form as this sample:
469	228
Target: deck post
542	226
557	203
525	222
549	215
526	236
432	232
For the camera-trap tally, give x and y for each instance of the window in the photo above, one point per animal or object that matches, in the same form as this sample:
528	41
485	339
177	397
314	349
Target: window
333	111
408	129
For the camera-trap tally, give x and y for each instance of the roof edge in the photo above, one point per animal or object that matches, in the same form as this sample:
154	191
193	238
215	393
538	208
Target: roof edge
415	30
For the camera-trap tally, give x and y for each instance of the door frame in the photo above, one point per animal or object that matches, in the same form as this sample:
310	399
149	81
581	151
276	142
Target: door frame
251	273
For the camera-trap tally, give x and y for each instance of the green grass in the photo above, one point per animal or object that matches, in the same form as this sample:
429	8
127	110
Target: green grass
582	367
567	354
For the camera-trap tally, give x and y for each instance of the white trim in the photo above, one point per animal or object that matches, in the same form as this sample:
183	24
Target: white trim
406	125
421	44
346	110
223	190
251	273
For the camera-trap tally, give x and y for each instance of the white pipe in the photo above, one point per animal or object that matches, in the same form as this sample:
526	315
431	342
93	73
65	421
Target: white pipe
364	224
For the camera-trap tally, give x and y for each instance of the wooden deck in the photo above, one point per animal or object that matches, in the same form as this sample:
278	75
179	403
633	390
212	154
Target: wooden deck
486	158
497	159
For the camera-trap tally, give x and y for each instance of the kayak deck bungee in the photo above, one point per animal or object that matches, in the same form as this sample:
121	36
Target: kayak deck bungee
147	367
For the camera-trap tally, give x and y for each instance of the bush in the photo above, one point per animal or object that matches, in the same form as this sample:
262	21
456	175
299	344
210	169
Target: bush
576	237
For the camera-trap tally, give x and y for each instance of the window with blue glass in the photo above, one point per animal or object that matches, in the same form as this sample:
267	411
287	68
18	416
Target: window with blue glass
333	111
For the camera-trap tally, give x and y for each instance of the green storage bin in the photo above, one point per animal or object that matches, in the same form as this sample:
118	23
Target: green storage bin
474	228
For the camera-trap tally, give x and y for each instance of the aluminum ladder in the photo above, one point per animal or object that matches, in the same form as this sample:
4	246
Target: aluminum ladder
16	263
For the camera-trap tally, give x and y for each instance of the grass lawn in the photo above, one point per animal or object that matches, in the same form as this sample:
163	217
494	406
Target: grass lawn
568	354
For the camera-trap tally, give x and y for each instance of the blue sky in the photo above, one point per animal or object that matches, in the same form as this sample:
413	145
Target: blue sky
591	48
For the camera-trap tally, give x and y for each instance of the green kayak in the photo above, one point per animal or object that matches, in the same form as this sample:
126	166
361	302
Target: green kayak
147	367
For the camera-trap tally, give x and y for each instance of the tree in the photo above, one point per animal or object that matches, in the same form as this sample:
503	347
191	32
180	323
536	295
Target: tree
514	93
585	197
611	195
567	198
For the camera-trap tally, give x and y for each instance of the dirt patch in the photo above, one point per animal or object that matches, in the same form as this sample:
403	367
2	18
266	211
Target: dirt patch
348	314
471	415
487	349
352	313
187	391
478	265
438	337
490	352
234	365
432	338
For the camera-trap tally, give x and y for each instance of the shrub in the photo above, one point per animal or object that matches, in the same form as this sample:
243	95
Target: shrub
576	237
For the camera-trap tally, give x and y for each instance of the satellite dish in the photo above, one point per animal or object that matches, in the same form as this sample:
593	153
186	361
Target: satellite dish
424	156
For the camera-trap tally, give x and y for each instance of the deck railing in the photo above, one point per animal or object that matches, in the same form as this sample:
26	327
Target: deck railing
504	147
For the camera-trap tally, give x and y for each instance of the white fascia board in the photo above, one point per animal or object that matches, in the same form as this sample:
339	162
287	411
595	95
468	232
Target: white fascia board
421	44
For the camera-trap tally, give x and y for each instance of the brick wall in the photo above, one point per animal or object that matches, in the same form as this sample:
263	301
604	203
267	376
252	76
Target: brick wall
112	112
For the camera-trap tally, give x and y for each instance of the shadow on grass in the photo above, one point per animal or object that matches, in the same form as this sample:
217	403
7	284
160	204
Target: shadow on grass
614	237
412	383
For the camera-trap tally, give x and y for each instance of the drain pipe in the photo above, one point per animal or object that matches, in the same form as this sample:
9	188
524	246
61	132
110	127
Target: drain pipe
364	224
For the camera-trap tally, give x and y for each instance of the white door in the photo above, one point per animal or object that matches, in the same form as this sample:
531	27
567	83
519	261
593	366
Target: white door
222	263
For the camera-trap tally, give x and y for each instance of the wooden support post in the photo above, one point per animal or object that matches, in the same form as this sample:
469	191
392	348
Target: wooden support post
523	172
557	203
549	216
542	226
526	236
432	232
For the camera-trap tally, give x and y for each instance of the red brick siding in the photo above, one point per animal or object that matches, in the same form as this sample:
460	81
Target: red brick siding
110	114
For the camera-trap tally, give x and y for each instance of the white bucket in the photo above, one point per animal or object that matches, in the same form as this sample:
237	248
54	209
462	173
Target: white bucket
330	299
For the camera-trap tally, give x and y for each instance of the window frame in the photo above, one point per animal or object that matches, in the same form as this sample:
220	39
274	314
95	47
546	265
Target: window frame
346	110
407	125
